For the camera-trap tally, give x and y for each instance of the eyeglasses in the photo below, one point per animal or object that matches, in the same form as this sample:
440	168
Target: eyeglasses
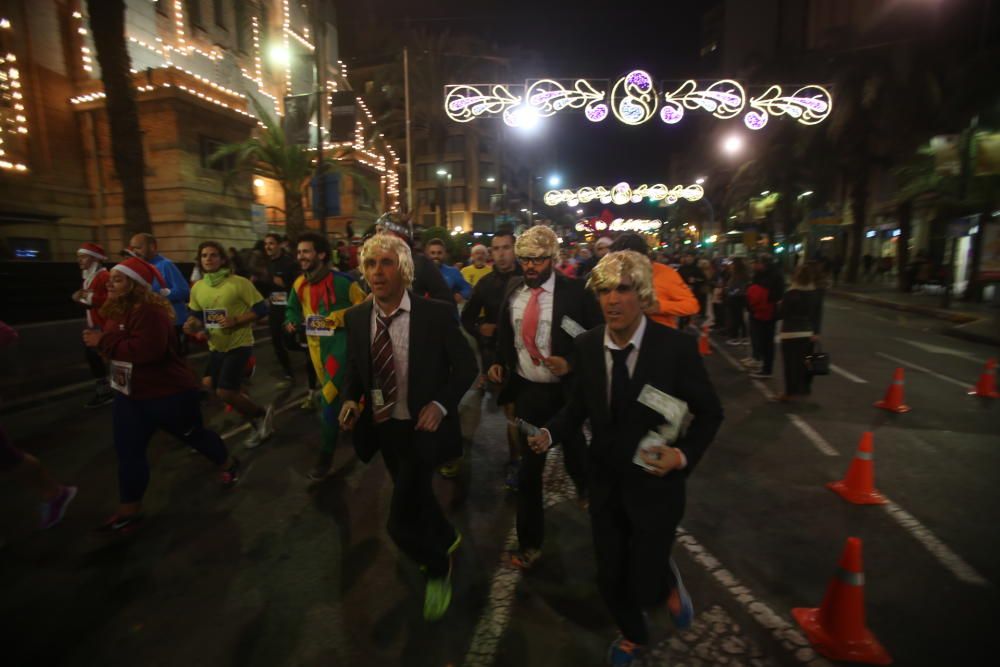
536	261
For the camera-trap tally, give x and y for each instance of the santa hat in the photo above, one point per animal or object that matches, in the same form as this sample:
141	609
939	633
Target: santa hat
142	272
93	250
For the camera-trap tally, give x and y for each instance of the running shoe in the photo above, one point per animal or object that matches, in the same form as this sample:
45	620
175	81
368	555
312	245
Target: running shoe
682	620
622	652
309	402
322	467
121	524
437	596
253	439
284	383
231	475
454	545
52	512
267	423
526	559
512	475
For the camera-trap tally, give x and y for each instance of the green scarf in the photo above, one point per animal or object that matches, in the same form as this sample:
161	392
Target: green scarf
317	276
215	279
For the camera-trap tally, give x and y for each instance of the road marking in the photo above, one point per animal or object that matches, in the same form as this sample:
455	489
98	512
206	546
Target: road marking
850	376
910	364
948	558
788	635
815	438
246	425
937	349
493	623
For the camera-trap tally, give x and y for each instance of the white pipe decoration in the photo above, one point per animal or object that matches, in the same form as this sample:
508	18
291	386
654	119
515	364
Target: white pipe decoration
633	100
623	193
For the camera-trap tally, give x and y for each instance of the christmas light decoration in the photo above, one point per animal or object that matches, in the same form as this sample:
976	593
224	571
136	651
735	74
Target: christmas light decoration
12	107
622	193
633	100
620	225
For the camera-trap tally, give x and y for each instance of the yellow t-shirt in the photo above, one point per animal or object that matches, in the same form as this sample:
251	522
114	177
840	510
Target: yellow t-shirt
233	297
472	274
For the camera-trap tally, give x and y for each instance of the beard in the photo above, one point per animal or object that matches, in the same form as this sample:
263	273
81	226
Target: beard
542	277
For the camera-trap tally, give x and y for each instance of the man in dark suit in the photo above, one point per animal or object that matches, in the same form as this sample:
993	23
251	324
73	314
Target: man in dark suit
539	316
410	364
628	374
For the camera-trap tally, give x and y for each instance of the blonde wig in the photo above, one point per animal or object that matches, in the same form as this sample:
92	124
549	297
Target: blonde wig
389	243
615	266
539	241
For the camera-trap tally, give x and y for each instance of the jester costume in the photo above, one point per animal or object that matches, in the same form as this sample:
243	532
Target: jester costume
318	300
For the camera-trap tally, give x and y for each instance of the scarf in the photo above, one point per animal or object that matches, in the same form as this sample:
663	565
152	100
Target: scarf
88	274
215	279
317	276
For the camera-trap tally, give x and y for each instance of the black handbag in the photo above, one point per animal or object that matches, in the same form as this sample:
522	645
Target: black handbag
818	361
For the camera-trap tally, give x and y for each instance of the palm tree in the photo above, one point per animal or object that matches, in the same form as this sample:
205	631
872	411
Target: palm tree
289	163
107	25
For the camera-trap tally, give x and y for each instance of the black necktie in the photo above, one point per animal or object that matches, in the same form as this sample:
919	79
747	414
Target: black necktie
619	382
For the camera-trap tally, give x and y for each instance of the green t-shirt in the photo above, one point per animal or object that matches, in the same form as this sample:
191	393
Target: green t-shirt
233	297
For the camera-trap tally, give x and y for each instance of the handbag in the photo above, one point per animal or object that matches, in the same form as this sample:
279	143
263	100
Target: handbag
818	361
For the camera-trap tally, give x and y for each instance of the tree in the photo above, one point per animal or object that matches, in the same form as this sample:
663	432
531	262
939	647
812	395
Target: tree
288	163
107	25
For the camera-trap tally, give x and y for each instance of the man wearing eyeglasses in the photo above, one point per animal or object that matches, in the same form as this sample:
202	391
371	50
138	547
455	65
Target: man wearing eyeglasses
540	315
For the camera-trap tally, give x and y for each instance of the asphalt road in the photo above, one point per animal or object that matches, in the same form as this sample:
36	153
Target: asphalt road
284	571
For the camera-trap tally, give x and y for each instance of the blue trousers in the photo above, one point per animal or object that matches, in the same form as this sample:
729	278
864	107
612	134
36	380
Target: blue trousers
135	422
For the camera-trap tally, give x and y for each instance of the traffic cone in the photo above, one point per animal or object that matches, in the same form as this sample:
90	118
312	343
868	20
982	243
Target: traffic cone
858	486
837	628
987	385
893	401
704	347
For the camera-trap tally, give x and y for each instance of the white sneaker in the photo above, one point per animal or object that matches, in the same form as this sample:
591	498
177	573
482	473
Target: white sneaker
254	439
267	423
734	342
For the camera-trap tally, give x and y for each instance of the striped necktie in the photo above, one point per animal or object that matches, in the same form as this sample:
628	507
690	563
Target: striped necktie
385	369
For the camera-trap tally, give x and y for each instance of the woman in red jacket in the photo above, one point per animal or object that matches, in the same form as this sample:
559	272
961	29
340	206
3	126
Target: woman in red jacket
155	390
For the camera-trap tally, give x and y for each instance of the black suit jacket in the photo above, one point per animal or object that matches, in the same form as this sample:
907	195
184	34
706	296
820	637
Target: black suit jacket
570	298
668	361
442	368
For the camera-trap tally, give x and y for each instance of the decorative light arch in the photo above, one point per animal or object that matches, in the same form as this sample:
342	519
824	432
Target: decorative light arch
634	99
622	193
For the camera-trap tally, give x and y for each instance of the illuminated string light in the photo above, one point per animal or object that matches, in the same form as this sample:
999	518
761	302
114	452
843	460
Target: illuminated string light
10	88
723	99
633	99
808	105
622	193
620	225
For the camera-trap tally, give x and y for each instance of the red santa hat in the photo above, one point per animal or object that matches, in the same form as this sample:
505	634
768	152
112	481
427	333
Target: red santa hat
142	272
93	250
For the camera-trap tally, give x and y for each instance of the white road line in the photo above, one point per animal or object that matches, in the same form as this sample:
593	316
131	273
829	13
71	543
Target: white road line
788	635
493	623
948	558
850	376
910	364
815	438
246	425
937	349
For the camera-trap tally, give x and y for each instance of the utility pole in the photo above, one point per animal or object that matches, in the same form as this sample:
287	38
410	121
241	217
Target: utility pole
409	139
319	34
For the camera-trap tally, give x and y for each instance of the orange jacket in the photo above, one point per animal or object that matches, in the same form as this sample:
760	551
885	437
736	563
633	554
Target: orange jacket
673	297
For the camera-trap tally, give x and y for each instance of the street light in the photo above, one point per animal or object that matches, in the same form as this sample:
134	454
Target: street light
700	180
491	179
279	54
765	193
732	144
445	205
555	181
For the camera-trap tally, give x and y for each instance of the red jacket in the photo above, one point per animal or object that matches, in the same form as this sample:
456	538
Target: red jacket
146	339
95	294
757	300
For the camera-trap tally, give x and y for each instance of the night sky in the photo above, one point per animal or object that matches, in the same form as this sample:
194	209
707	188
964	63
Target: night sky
598	40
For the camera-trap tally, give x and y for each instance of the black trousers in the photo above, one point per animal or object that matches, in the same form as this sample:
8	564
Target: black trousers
762	335
737	307
798	380
276	324
98	369
536	404
416	522
633	570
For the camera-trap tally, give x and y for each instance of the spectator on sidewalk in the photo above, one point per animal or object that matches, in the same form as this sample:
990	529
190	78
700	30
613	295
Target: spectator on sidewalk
799	314
92	296
735	299
177	289
763	314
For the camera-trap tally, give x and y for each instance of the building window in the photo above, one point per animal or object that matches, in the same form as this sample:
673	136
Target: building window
455	144
220	13
208	148
241	25
457	196
193	8
485	146
485	198
422	172
487	171
456	169
426	196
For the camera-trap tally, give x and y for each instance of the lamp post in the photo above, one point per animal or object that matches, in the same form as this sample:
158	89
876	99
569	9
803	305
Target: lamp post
447	197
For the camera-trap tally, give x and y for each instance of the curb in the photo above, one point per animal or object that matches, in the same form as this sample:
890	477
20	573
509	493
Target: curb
938	313
971	336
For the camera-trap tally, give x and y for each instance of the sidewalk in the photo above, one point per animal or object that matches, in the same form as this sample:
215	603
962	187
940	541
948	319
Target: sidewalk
977	322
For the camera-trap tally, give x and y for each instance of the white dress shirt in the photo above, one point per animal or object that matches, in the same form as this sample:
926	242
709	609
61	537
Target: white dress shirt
526	368
399	334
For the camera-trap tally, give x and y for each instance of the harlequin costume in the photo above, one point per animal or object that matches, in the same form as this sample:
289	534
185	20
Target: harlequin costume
318	301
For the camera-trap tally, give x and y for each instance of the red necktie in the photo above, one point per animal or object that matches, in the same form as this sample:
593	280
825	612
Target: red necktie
529	325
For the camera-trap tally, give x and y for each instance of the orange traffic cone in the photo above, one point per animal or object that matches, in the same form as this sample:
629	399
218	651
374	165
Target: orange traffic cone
987	385
893	401
704	347
837	628
858	486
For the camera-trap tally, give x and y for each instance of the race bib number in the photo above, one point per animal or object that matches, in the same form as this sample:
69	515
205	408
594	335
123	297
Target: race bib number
377	399
317	325
214	317
571	326
121	377
279	298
